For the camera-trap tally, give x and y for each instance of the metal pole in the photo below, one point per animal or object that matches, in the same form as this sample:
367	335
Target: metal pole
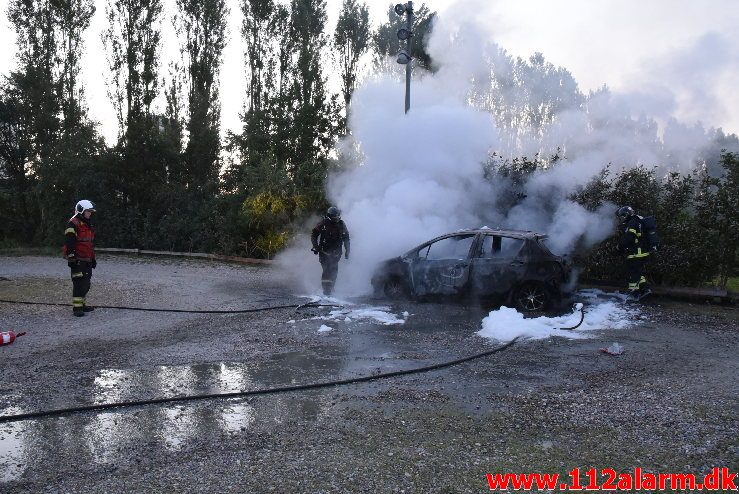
409	65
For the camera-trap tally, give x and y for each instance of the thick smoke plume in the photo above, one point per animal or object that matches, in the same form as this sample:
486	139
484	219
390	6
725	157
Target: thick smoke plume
422	174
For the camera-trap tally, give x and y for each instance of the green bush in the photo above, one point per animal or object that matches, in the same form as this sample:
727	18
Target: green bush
696	219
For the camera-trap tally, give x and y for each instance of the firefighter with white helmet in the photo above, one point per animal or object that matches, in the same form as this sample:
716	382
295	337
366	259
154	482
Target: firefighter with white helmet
80	254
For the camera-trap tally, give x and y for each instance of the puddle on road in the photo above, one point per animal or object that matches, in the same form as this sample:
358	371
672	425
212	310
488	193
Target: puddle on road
110	437
113	437
13	442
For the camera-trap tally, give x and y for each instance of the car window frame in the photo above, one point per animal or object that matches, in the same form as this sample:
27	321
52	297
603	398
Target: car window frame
427	247
481	243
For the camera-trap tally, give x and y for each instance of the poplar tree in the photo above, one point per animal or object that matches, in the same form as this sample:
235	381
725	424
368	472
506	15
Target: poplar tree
352	40
314	113
202	25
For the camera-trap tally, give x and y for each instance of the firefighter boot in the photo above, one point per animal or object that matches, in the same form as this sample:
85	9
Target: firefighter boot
328	287
78	306
88	308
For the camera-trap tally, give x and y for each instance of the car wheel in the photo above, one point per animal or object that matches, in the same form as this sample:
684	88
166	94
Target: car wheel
394	288
531	297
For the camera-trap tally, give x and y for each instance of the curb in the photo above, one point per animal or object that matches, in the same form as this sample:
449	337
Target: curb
679	293
199	255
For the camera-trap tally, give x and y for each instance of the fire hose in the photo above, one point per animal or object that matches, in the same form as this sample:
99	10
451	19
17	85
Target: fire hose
581	308
186	311
256	392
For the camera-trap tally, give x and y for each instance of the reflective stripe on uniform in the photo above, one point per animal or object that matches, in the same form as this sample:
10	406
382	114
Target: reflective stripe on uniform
633	231
638	254
78	301
70	230
78	275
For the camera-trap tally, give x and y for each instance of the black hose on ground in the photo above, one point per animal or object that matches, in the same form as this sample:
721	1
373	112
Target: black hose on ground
186	311
256	392
582	318
315	304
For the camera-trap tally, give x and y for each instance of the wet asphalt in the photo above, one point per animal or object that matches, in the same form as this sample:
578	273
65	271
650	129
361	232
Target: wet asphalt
669	403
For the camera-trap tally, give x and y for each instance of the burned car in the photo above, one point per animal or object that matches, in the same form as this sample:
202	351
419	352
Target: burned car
514	267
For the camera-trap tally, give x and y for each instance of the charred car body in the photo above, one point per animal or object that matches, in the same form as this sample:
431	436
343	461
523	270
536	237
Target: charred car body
508	265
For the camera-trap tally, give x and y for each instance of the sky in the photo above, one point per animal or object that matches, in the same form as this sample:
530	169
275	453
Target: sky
682	56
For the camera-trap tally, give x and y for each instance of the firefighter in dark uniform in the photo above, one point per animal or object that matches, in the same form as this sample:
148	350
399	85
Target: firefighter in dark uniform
633	247
327	238
80	254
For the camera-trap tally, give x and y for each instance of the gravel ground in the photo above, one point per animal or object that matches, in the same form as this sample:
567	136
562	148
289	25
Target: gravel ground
668	404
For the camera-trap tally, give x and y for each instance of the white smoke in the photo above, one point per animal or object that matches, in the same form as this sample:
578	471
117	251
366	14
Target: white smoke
421	174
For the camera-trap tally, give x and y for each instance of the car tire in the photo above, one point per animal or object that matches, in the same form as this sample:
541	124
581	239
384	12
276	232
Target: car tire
531	297
395	289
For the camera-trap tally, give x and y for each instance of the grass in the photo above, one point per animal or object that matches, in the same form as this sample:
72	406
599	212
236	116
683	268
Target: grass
733	284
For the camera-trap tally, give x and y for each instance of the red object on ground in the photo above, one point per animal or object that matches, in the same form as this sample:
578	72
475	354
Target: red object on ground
609	352
9	337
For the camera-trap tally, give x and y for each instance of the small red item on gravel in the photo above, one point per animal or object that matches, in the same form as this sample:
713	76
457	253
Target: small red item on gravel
609	352
9	337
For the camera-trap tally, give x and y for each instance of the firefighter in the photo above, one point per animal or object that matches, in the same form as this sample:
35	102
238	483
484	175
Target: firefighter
327	238
80	254
634	248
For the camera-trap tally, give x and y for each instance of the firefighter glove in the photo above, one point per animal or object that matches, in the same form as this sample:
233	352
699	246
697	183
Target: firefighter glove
314	250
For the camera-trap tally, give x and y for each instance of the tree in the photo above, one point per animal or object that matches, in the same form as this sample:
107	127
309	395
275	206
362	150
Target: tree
132	39
15	182
203	25
139	163
717	206
290	120
36	82
44	123
314	113
352	40
73	17
257	167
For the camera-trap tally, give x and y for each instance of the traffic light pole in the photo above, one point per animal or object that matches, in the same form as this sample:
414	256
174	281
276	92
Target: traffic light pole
409	65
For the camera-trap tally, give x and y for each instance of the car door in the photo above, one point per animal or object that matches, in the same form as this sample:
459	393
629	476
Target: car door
442	267
497	265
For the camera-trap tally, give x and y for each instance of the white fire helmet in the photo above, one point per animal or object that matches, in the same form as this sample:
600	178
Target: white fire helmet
84	205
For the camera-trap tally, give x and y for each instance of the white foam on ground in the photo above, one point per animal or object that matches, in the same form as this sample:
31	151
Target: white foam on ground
324	299
324	328
381	315
351	312
505	323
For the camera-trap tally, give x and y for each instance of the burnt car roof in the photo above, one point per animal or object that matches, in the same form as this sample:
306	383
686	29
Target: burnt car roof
521	234
505	233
